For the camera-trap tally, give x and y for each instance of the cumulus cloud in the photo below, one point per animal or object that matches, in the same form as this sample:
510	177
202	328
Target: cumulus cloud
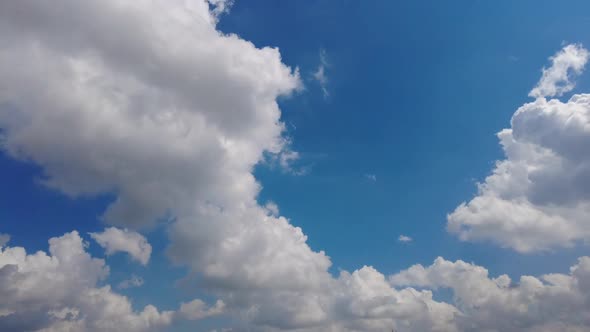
115	240
553	302
60	292
171	116
148	101
557	79
160	108
537	198
197	309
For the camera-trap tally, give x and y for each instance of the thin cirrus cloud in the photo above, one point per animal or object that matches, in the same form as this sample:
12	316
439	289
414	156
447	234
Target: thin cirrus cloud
172	116
320	74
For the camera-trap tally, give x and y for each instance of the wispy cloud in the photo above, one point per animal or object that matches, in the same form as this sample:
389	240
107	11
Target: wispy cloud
371	177
132	282
565	65
404	239
320	73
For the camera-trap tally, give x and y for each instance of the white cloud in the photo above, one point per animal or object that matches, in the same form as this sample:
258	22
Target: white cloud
538	197
123	240
133	281
220	7
148	101
320	74
4	239
272	208
371	177
553	302
159	107
404	238
197	309
556	80
60	292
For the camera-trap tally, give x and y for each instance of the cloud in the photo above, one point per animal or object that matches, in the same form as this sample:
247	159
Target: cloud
160	108
60	292
132	282
220	7
197	309
148	101
537	198
272	208
123	240
549	303
404	239
4	239
371	177
320	74
556	80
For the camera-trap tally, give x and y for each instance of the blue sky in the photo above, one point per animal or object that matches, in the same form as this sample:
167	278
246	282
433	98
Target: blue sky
416	93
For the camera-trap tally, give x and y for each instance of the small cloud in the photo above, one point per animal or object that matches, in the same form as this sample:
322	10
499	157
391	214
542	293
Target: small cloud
197	309
565	65
287	161
4	239
371	177
219	7
132	282
404	239
320	73
272	208
115	240
513	58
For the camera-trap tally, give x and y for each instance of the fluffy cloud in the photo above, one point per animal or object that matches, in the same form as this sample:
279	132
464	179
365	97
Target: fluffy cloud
556	80
123	240
538	197
60	292
553	302
146	100
197	309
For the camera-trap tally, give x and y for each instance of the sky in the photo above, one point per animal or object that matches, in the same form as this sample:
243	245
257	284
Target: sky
192	165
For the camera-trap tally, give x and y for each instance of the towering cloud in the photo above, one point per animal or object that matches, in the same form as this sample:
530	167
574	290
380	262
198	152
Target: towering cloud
538	197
